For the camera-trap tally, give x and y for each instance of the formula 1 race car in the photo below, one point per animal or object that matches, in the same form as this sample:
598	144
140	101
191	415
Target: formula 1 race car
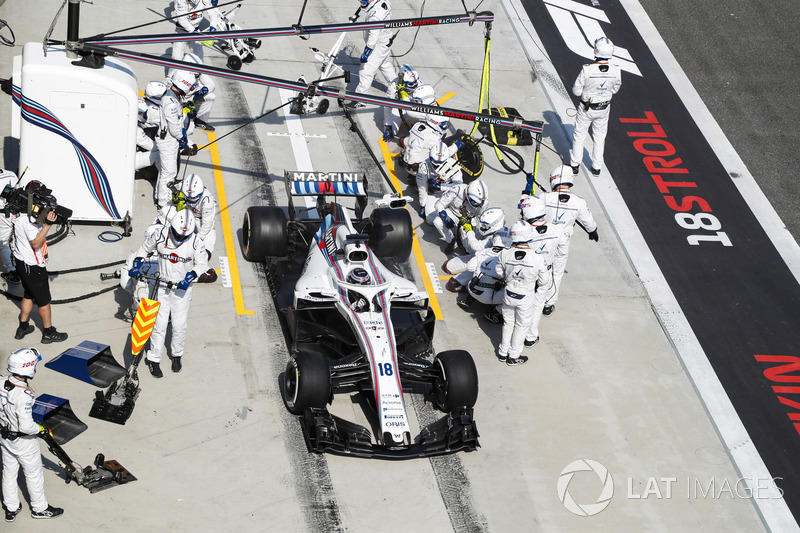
355	326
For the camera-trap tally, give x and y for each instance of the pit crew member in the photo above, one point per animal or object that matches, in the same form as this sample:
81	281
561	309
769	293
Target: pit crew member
18	437
595	85
180	257
460	202
525	275
564	208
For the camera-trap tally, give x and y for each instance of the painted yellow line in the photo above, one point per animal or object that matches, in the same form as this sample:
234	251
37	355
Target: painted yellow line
415	247
225	218
445	98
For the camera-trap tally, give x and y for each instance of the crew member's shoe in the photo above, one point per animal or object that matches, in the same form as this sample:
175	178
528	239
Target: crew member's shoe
548	310
521	360
155	369
451	246
502	357
176	364
12	515
23	330
203	125
595	171
453	285
466	302
531	343
50	512
575	169
494	316
51	335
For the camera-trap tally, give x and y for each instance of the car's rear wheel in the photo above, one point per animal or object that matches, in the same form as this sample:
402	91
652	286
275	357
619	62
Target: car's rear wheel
264	233
392	233
457	382
306	382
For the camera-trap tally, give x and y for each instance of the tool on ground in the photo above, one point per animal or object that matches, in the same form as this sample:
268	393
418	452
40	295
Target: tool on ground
117	404
60	426
105	475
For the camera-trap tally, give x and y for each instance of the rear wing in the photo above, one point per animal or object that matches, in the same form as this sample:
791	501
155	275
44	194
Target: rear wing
322	184
300	183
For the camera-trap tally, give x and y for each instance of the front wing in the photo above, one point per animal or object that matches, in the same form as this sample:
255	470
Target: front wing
326	433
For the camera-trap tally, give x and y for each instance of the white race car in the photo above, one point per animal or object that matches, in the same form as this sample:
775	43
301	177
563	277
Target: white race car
354	325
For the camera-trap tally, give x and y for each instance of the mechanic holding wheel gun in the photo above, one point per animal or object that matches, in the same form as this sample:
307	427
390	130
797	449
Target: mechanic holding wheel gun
18	437
181	255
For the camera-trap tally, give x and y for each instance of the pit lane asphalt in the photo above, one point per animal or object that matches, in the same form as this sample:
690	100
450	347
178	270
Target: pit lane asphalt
748	79
214	447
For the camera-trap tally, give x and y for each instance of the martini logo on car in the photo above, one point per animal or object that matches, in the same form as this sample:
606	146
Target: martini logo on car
326	176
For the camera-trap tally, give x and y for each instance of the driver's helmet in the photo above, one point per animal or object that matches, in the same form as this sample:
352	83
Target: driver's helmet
358	276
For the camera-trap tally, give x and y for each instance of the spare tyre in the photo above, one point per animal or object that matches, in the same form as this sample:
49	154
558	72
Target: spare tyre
264	233
392	233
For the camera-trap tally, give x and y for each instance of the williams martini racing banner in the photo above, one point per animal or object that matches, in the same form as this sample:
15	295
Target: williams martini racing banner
736	291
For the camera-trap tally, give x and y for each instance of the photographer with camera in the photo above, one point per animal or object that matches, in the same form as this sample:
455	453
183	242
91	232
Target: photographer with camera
29	247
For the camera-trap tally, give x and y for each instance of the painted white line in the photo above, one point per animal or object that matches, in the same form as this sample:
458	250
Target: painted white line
296	134
304	135
748	461
225	271
437	285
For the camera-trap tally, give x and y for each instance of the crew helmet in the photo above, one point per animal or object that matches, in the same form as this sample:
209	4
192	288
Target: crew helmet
561	175
501	239
439	154
477	195
22	362
409	76
182	225
603	48
437	123
184	80
533	209
192	188
491	221
365	3
143	107
154	90
521	232
358	276
424	94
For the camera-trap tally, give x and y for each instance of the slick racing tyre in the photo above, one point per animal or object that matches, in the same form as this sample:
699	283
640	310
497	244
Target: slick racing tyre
306	382
457	382
264	233
392	233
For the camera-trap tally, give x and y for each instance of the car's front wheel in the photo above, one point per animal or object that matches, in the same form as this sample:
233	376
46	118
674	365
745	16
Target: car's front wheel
306	382
456	384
